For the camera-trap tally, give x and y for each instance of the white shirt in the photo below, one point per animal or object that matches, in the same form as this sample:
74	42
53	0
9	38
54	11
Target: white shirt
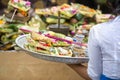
104	50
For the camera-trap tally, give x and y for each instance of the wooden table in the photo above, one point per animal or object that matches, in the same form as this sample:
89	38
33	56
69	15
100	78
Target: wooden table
17	65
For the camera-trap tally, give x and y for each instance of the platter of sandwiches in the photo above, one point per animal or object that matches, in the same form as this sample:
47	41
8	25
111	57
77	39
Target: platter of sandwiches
49	47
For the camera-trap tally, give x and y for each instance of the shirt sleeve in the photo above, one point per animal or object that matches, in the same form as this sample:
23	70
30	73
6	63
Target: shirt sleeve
95	58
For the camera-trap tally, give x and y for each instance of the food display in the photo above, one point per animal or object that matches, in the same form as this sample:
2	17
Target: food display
8	34
87	11
46	45
2	21
58	32
42	48
66	10
15	14
20	4
18	11
51	43
103	17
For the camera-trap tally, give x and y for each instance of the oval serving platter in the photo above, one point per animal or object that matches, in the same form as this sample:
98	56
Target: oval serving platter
21	40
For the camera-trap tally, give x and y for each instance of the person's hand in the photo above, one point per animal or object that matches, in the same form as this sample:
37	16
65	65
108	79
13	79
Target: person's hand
74	65
81	69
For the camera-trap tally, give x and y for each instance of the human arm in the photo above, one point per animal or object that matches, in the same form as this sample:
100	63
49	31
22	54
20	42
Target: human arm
95	55
94	69
81	70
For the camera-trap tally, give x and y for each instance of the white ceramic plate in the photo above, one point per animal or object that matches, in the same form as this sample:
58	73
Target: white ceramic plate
21	40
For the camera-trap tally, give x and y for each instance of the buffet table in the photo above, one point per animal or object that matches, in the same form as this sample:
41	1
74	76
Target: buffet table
17	65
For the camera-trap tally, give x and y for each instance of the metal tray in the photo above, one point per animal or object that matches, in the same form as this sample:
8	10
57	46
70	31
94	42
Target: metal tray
21	40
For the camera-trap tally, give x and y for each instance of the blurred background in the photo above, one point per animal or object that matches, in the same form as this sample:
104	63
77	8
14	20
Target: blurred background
48	3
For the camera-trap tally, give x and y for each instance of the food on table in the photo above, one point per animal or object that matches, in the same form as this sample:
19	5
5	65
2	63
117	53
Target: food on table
67	10
103	17
76	17
21	5
46	11
2	22
34	24
54	20
87	11
8	34
40	43
18	11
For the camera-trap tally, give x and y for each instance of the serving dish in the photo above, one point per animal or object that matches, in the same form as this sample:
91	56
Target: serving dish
21	40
